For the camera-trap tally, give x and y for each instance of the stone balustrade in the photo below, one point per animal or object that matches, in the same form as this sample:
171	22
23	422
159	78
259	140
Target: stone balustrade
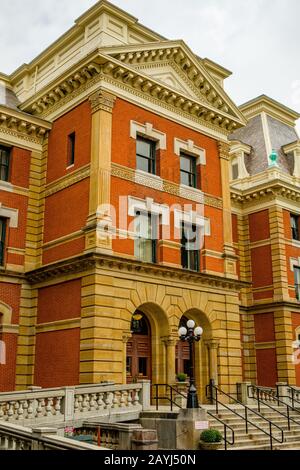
17	438
71	404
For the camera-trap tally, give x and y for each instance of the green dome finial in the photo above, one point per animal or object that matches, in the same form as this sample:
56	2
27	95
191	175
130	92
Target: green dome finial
273	158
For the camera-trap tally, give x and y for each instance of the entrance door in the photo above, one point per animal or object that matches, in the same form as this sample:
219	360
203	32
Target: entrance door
138	366
183	358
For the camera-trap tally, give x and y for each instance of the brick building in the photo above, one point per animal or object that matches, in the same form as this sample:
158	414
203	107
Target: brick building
119	152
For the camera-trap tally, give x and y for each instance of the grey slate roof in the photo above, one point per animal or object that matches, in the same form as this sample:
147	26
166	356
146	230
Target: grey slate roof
280	134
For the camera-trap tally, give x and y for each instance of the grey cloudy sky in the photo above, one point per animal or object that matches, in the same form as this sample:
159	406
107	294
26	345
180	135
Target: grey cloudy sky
258	40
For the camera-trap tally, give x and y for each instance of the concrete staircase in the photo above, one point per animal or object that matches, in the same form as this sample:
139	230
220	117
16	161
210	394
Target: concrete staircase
256	439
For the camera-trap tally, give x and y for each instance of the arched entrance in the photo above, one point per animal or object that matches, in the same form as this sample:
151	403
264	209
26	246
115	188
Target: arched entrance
139	356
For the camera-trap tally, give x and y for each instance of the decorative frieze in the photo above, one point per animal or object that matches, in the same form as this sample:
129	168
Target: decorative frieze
68	180
169	187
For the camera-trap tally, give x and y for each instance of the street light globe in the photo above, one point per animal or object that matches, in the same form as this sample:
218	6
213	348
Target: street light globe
191	324
198	331
182	332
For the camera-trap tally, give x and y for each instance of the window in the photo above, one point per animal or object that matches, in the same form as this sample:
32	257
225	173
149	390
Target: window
4	163
2	239
188	170
146	227
297	281
295	227
189	243
235	171
71	149
145	155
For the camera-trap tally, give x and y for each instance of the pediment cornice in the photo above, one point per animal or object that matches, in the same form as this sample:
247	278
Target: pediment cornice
99	66
192	67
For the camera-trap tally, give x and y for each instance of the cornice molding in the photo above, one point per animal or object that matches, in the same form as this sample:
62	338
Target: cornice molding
169	187
103	67
270	191
23	126
116	264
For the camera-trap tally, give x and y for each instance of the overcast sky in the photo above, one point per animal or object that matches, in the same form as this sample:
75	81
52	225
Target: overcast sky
258	40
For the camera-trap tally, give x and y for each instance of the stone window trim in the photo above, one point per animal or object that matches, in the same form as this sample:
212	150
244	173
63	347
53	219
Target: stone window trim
193	218
11	214
148	205
294	263
188	147
146	130
6	325
238	152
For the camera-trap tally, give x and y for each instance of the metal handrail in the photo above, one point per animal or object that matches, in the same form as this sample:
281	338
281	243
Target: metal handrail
277	399
214	397
172	402
226	426
167	397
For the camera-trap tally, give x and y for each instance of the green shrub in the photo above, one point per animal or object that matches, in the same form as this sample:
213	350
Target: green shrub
181	377
211	436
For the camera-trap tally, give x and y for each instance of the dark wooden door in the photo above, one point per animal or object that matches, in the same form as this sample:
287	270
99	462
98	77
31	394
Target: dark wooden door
138	365
182	358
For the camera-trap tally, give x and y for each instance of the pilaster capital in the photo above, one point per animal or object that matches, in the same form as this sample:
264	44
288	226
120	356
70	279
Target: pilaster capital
127	335
212	343
170	340
224	150
102	100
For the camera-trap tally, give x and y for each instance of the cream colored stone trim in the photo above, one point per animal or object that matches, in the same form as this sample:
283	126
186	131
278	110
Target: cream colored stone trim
294	262
146	130
169	187
62	240
58	325
16	251
9	329
190	148
10	188
147	179
5	313
169	244
68	180
237	154
148	205
267	345
191	217
11	214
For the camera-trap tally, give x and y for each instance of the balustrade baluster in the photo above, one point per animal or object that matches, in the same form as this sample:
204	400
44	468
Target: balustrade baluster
100	401
57	407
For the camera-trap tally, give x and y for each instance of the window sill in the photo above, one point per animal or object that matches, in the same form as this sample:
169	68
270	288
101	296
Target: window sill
187	192
70	167
149	180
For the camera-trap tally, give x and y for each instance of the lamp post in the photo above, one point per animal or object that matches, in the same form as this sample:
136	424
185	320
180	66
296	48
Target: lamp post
192	335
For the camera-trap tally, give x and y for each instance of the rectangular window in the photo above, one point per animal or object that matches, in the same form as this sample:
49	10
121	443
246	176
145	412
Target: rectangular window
146	229
190	256
297	281
71	149
295	227
4	163
146	155
2	239
188	170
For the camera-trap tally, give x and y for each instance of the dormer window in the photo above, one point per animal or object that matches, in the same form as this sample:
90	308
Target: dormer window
235	170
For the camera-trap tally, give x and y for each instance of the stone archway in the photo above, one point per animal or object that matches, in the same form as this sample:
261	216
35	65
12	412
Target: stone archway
158	329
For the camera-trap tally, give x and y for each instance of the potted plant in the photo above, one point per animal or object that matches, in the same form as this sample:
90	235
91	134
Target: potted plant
181	377
211	439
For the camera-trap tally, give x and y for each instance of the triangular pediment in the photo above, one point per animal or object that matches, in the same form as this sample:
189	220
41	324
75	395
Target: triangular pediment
173	64
171	76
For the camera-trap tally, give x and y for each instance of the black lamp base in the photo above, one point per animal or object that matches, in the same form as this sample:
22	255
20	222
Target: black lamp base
192	400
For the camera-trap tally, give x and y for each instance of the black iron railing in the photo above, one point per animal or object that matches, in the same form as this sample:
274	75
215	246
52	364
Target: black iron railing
263	397
171	399
213	393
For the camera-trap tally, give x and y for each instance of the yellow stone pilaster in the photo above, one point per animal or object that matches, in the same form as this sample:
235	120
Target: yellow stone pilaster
99	220
230	257
170	344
